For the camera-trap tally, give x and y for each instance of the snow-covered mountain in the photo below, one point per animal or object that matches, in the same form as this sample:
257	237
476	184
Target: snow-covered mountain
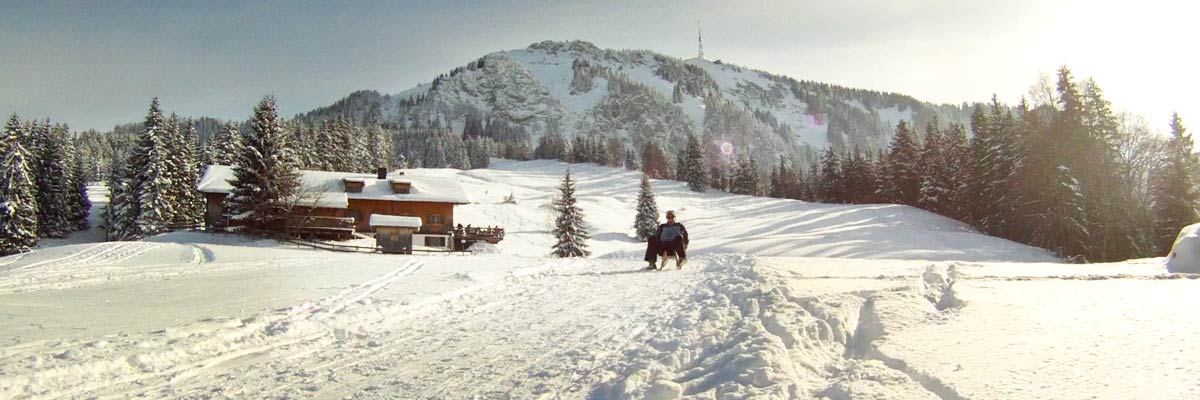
577	88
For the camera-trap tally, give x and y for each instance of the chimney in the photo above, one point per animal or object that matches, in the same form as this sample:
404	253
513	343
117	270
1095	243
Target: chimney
381	173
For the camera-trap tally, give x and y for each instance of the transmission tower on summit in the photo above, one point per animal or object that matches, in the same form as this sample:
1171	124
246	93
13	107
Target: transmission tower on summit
700	39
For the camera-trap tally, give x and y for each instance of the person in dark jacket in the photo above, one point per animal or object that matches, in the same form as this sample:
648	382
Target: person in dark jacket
671	238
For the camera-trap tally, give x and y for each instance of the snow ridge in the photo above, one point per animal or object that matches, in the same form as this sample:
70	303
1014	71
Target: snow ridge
747	336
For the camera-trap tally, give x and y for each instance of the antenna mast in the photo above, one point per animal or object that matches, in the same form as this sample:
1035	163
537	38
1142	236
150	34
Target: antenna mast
700	39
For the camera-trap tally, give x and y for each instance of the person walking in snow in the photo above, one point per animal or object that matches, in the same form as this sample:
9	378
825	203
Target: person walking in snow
670	240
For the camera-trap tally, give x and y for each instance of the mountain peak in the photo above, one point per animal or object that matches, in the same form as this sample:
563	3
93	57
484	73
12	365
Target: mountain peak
574	87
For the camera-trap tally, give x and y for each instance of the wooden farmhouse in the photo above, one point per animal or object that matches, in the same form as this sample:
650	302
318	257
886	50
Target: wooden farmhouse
339	203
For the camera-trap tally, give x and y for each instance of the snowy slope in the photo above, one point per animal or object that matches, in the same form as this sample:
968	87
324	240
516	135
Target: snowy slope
718	222
781	299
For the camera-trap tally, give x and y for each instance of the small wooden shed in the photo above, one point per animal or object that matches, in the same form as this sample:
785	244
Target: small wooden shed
394	234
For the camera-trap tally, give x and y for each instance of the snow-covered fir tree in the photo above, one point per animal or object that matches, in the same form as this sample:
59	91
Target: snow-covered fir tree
18	189
119	218
326	149
995	169
569	232
645	223
225	144
745	178
902	180
631	160
956	152
935	176
54	186
783	181
858	184
1175	198
692	168
380	150
479	151
265	174
551	146
831	187
150	179
81	206
581	150
185	174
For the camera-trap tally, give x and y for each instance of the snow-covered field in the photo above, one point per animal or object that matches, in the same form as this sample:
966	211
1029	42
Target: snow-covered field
781	299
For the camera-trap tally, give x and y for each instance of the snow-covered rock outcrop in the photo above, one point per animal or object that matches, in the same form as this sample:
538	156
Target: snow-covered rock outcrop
1185	253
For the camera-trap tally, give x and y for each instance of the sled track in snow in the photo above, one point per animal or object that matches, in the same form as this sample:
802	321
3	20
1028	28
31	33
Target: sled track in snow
8	260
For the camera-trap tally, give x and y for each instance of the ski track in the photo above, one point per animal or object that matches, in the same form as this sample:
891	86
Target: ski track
59	271
104	265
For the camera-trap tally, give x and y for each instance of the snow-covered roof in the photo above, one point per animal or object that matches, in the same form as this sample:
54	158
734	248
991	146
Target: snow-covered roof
396	221
424	188
323	200
216	179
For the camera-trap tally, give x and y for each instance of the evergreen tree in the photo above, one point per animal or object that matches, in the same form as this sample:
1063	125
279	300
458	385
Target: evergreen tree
150	173
551	146
859	178
812	183
326	148
783	181
568	227
119	218
479	151
745	180
380	150
631	161
265	174
1111	209
226	144
646	221
830	186
186	170
600	153
1174	195
581	150
54	186
902	177
935	176
435	154
1053	214
994	170
18	203
717	178
1062	227
81	205
616	151
956	154
692	165
654	162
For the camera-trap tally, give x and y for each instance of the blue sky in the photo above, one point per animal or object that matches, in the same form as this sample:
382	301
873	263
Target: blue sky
94	64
